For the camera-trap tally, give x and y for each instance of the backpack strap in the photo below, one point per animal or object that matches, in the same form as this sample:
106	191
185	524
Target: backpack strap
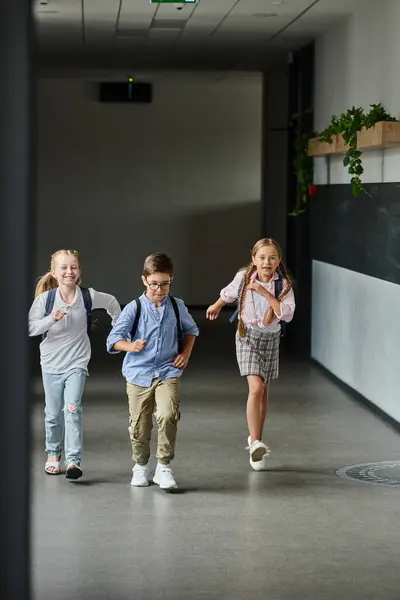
87	301
137	317
235	314
178	324
278	287
278	291
178	321
51	296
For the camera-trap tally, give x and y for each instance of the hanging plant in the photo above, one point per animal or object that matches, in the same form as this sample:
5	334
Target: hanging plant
303	166
347	125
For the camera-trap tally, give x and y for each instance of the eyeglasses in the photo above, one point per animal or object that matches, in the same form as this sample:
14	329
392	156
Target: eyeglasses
157	286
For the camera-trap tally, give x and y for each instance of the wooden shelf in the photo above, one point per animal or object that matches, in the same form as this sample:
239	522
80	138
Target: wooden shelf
385	134
318	148
340	145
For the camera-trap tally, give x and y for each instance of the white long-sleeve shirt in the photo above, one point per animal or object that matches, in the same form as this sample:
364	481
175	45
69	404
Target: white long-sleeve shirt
67	345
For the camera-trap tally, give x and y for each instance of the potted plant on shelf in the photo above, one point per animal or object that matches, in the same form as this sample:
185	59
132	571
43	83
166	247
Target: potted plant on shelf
348	127
350	133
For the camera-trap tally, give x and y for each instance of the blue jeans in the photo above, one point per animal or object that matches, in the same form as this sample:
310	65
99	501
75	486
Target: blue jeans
63	413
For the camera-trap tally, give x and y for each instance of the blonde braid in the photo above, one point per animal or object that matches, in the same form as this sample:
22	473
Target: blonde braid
246	280
283	273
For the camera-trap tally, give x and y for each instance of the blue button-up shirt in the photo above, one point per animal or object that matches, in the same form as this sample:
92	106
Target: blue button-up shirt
158	327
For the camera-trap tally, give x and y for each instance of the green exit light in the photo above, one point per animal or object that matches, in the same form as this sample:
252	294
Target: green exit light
130	79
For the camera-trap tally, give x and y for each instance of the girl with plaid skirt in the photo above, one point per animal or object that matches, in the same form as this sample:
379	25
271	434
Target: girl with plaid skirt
259	332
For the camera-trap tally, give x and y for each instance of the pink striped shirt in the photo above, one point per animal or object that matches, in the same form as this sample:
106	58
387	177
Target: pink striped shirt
256	305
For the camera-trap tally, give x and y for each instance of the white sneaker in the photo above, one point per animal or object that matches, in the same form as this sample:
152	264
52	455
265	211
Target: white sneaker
164	477
140	476
258	449
259	465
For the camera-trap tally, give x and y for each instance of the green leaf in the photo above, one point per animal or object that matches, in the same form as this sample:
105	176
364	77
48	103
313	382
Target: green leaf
303	167
297	212
358	170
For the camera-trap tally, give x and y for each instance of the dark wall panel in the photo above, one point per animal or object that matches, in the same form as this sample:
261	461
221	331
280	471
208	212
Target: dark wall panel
361	234
300	121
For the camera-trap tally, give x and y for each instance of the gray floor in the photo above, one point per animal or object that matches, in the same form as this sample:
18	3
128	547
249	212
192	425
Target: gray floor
295	532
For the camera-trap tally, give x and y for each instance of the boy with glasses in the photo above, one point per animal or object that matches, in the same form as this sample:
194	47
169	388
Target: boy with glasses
157	333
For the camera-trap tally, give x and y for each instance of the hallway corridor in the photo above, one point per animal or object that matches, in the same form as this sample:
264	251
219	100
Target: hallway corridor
295	532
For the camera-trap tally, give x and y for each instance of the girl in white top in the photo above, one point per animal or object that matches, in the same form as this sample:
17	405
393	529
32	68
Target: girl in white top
64	356
259	331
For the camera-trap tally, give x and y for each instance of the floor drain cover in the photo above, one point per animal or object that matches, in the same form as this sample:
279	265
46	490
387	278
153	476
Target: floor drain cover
383	473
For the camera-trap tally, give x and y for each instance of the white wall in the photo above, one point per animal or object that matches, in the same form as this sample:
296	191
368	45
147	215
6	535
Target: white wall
181	175
356	332
355	318
357	64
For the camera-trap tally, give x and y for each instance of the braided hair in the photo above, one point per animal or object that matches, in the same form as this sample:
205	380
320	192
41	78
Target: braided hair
247	273
249	270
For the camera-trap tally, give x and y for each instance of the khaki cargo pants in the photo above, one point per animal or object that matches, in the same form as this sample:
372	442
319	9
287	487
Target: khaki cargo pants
163	396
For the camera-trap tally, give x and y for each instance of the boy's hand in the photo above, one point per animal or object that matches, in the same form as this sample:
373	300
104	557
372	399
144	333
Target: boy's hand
181	361
137	345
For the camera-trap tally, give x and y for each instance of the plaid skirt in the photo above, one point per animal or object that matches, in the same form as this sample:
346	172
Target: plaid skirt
258	353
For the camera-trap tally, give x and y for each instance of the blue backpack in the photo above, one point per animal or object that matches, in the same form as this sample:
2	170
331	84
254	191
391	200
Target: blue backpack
278	290
87	300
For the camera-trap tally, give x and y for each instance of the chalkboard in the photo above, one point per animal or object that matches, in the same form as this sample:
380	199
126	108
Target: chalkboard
361	234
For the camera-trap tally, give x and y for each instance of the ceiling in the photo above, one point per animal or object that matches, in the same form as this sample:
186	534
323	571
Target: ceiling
242	35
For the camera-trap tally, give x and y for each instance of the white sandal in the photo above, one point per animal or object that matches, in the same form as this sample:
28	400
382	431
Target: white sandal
55	464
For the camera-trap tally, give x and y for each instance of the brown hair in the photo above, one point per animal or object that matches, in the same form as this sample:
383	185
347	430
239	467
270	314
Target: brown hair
158	263
47	281
249	270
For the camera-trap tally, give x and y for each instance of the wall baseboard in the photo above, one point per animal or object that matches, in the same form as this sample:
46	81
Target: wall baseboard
359	398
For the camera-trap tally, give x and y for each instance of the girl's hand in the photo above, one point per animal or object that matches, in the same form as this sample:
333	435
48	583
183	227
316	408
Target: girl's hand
256	287
181	361
137	345
213	312
58	314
